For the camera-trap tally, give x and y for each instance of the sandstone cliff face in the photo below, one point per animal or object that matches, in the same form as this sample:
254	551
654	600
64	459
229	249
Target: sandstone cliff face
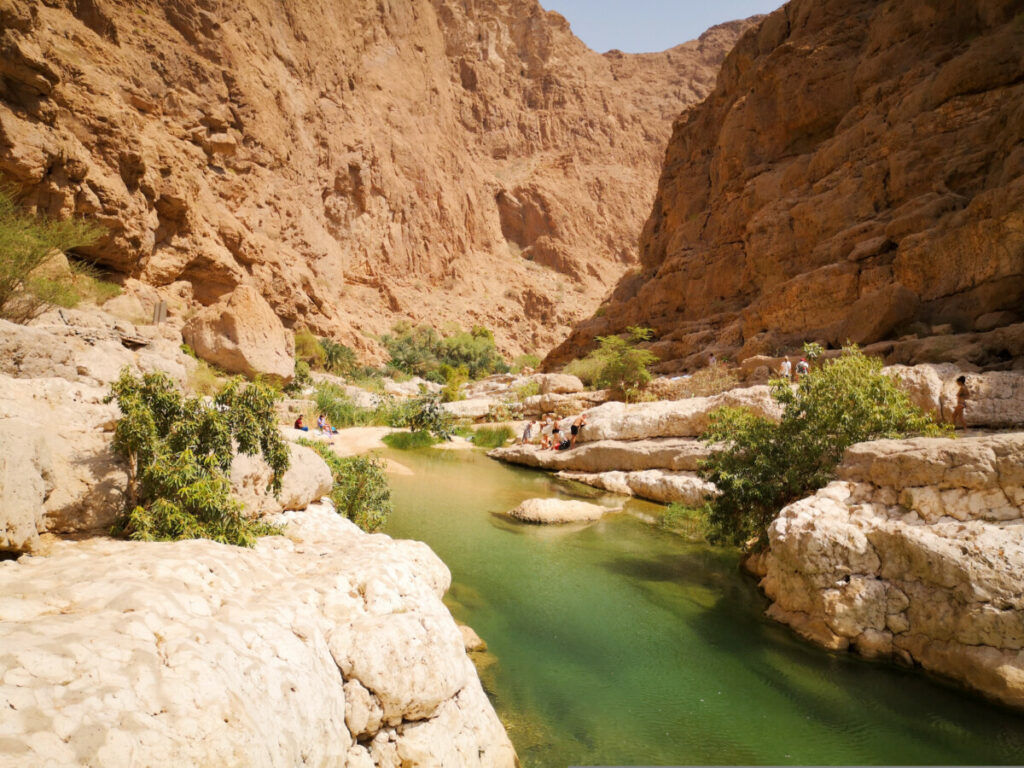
354	162
914	553
857	174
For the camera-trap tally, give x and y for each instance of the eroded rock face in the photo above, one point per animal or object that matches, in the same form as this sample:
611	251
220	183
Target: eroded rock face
241	334
856	175
216	655
307	480
355	162
661	485
914	553
608	455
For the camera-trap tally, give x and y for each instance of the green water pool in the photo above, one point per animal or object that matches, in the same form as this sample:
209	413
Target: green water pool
617	643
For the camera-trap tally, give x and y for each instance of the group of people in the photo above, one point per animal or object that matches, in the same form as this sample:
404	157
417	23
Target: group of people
322	425
786	369
550	433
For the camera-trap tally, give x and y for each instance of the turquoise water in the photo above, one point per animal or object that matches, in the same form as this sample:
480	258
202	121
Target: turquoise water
620	644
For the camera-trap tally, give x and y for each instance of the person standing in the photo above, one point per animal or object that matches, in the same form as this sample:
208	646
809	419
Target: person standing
786	369
802	368
528	432
961	403
543	432
574	430
556	437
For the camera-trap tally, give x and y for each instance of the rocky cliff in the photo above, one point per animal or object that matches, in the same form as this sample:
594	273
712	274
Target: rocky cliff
354	162
857	174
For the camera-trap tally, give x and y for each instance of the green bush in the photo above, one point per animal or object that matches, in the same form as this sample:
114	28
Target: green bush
342	411
360	491
406	441
422	351
300	380
524	361
425	414
26	243
617	363
339	359
179	453
529	389
454	378
764	466
308	349
492	437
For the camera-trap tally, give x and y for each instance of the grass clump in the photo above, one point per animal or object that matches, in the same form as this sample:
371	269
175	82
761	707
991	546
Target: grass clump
407	441
763	465
27	243
529	389
706	382
685	521
524	361
492	437
360	491
179	452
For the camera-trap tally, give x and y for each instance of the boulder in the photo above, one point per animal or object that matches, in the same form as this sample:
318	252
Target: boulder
241	334
477	408
557	511
307	480
346	630
658	485
913	553
26	479
671	418
608	455
996	401
559	383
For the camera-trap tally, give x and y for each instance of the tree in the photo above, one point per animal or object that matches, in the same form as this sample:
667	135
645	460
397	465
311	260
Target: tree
763	466
618	363
26	243
179	453
361	491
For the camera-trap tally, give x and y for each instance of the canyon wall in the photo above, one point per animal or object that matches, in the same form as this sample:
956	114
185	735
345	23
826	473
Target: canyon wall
354	162
856	175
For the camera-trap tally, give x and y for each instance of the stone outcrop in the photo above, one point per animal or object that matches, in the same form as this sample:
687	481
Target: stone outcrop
241	334
996	401
914	553
307	480
326	647
855	175
354	162
555	511
604	455
663	486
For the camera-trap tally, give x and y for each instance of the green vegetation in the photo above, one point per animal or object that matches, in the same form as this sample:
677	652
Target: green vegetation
617	363
529	389
339	359
360	492
454	378
27	243
309	350
342	411
422	351
425	414
492	437
524	361
764	466
406	441
179	453
685	521
712	380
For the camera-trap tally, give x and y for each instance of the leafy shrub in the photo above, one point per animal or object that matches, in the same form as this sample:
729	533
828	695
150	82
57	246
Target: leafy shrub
492	437
360	491
339	359
342	411
422	351
764	466
179	453
524	361
308	349
454	378
301	379
529	389
26	243
617	363
406	441
425	414
506	409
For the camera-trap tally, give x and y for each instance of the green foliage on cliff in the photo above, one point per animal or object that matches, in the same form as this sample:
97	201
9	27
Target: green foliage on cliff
179	453
422	351
361	491
26	244
764	466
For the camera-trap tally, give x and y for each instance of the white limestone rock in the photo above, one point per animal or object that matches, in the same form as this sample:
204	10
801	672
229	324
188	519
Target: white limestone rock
557	511
664	486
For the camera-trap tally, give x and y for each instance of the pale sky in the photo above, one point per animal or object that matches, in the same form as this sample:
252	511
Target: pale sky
643	26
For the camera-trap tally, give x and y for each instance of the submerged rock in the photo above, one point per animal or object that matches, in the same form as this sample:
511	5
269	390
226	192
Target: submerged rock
326	647
557	511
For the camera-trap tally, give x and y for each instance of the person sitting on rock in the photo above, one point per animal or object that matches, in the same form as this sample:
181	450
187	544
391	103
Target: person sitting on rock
544	432
575	429
961	403
299	425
